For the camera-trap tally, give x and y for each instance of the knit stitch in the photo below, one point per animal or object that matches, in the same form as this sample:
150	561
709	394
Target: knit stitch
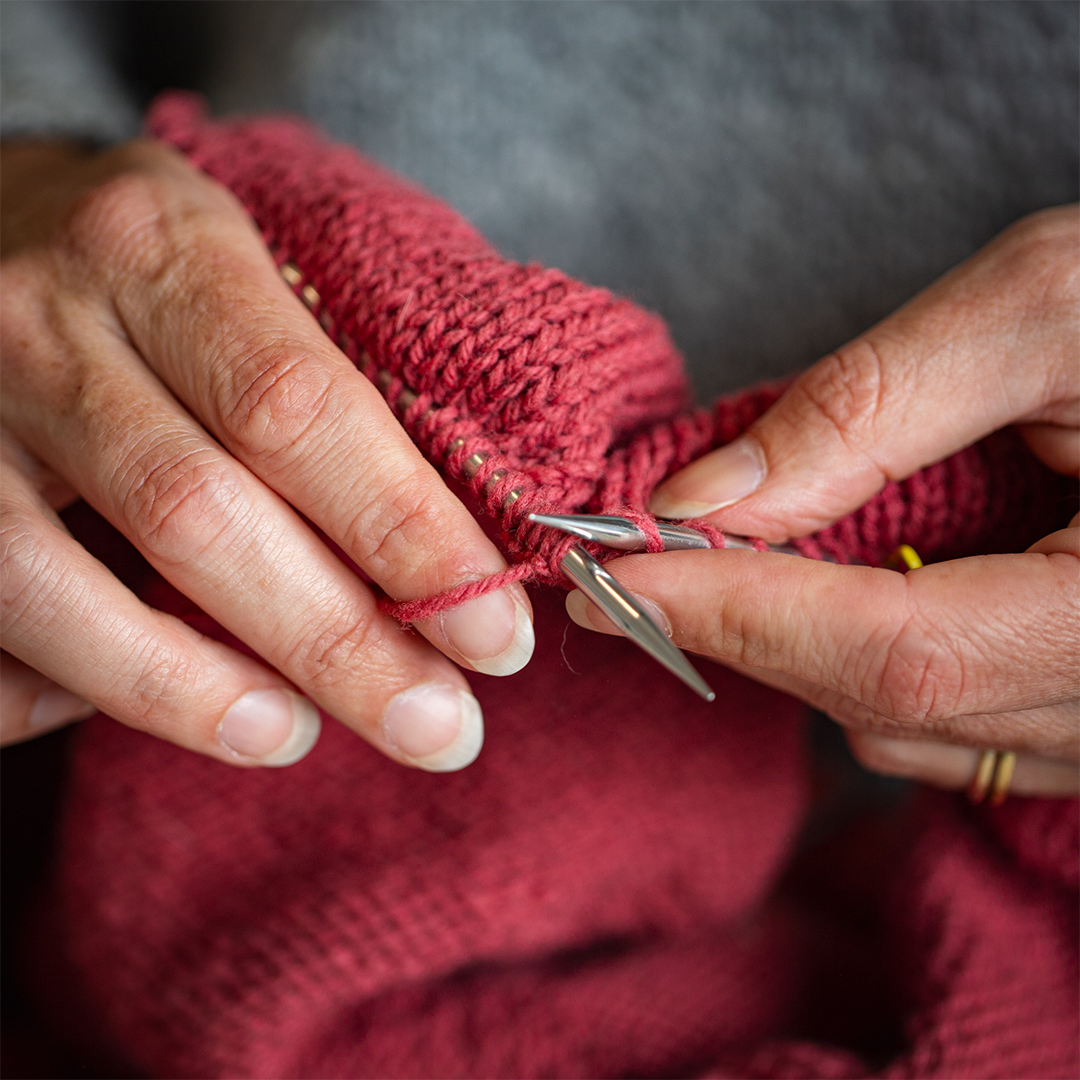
598	894
541	394
590	898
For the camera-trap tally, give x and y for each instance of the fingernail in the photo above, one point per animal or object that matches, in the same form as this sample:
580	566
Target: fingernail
716	480
493	633
435	727
273	726
56	706
587	615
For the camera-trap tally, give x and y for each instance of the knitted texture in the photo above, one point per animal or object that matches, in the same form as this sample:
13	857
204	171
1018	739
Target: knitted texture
590	898
541	394
598	894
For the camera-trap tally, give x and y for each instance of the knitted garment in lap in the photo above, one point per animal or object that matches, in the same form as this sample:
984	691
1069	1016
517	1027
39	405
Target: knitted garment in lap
590	898
597	895
539	393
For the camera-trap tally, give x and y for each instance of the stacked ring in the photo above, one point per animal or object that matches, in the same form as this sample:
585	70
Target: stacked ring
993	775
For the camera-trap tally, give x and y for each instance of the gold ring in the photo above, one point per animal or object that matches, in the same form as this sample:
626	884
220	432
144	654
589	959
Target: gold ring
993	775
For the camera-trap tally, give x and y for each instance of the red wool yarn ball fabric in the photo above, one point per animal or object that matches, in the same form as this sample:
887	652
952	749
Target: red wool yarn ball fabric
617	887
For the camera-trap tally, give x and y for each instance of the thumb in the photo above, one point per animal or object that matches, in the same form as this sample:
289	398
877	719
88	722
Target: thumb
991	343
32	705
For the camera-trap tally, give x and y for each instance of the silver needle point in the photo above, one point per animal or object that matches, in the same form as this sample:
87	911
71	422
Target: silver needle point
612	532
623	535
619	533
628	615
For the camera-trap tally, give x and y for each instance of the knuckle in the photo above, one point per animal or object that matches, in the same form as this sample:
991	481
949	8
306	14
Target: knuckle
1057	304
718	637
737	632
844	391
1045	235
272	401
740	636
26	566
158	690
1042	253
179	502
923	678
332	655
122	222
395	533
732	636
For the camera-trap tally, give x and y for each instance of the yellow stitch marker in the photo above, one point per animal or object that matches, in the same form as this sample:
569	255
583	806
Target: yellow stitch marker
905	556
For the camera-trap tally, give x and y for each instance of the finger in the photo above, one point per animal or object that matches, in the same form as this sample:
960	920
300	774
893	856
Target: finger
990	343
1063	542
68	618
971	637
202	302
222	538
953	767
1055	445
32	705
942	764
1021	730
55	491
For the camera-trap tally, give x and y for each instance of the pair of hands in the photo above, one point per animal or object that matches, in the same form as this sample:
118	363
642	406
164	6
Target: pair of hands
155	365
920	669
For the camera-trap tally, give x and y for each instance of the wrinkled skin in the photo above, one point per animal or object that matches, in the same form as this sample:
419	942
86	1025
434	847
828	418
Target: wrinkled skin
155	364
921	669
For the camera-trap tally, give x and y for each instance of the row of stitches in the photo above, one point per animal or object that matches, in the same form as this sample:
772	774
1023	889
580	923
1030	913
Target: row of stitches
471	462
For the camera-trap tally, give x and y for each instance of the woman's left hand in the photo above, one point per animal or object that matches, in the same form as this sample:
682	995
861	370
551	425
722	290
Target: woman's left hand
927	669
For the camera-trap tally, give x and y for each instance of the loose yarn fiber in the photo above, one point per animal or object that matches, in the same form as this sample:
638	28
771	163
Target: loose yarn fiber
541	394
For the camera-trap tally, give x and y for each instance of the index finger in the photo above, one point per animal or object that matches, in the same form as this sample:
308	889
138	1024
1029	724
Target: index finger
991	343
201	300
982	635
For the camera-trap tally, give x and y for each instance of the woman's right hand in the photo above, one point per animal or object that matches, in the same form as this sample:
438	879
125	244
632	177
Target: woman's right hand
155	364
929	669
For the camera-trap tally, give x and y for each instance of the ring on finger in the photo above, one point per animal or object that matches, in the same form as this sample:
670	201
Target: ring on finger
993	775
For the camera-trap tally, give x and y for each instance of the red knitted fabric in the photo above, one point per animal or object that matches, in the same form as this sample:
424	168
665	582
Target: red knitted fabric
590	898
598	895
517	379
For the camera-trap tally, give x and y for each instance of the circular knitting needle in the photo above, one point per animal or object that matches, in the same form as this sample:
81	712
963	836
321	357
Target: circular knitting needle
630	617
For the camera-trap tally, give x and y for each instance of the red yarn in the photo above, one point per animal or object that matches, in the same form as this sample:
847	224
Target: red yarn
517	379
597	895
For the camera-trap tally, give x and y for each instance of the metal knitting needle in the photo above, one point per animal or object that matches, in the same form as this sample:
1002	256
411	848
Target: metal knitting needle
629	616
623	535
